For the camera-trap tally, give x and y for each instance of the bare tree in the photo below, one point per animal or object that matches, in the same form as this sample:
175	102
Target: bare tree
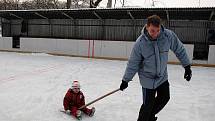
122	2
2	4
109	4
49	4
9	4
52	4
77	4
45	4
68	4
94	4
27	5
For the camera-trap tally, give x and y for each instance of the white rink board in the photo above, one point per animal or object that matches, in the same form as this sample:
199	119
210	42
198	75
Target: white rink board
189	48
88	48
211	55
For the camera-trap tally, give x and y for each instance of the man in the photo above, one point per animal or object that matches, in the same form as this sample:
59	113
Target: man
149	58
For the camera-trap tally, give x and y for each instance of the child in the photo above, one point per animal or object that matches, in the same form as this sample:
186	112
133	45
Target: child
74	99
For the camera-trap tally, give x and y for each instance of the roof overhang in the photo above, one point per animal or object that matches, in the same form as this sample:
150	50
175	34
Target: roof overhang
206	13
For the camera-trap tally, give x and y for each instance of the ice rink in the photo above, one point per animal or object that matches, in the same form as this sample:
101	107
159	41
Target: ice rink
32	88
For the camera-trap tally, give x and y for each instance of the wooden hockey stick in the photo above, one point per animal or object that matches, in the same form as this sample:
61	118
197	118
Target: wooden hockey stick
99	98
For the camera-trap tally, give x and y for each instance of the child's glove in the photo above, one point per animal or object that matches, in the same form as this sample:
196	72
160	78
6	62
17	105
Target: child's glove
68	111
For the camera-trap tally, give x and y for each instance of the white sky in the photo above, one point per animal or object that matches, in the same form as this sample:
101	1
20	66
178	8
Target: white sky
164	3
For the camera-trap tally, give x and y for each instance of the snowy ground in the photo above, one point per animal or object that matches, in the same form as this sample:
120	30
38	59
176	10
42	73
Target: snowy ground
32	87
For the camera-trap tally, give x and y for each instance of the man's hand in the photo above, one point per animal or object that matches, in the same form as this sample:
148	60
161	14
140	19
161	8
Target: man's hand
187	73
123	85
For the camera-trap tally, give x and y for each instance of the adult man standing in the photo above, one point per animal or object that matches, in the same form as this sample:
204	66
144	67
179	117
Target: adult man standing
149	58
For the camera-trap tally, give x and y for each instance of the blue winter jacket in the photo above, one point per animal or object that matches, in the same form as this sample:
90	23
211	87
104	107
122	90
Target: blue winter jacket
149	58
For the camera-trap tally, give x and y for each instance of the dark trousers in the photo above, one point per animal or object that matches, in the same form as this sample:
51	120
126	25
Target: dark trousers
152	103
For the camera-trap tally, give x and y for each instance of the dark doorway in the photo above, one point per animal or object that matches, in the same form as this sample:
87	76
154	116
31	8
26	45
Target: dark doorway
16	42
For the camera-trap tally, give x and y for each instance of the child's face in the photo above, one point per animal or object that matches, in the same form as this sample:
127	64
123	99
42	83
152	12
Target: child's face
76	90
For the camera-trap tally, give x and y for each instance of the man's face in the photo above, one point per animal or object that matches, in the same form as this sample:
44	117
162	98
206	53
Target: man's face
153	31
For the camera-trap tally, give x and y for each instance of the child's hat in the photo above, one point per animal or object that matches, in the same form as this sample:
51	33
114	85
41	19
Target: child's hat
75	84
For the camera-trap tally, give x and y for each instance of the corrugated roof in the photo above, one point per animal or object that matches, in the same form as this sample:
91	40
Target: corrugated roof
187	13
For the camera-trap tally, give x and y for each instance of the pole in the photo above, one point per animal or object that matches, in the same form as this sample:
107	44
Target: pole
98	99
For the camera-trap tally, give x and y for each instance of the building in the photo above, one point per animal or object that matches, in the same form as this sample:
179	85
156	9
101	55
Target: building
93	28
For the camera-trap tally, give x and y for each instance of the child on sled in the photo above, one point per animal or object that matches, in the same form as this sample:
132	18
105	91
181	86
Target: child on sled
74	99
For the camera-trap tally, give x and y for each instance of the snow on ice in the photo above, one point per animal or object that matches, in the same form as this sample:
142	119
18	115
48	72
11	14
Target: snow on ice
32	88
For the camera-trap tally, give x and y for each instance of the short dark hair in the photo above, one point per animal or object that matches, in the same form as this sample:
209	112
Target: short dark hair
155	20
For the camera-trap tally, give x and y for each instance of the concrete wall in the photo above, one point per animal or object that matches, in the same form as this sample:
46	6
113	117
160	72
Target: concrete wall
58	46
6	43
113	49
37	45
211	55
88	48
91	48
67	46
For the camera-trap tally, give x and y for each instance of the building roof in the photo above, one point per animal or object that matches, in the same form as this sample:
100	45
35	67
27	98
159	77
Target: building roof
203	13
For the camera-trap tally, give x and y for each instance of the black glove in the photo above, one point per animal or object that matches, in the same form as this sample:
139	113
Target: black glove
123	85
187	73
